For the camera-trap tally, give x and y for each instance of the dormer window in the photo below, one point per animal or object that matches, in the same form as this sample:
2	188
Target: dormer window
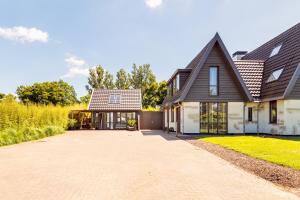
276	50
275	75
114	99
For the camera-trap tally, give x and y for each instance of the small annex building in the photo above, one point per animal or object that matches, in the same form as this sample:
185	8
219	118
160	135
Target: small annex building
111	109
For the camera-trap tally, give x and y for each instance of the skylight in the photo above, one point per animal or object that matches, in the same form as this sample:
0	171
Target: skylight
114	99
276	50
275	75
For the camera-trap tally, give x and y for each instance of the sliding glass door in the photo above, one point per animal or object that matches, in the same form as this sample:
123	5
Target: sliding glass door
213	118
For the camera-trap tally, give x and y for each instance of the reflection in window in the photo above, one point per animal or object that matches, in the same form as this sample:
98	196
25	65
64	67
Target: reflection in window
213	81
273	112
250	112
213	118
276	50
275	75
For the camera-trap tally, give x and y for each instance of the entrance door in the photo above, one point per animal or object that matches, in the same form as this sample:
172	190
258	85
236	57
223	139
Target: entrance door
213	118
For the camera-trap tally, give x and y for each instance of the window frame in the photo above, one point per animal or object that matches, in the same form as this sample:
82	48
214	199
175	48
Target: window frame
275	79
172	114
177	82
278	46
114	99
250	114
217	79
273	106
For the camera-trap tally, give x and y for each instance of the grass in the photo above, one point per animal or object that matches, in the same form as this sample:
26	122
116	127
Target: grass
283	151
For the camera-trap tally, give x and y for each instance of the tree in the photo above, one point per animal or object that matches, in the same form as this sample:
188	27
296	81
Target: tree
141	77
2	96
150	97
161	92
99	79
108	81
123	79
85	99
154	94
56	93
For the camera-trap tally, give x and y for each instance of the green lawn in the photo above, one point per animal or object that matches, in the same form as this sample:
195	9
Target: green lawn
285	151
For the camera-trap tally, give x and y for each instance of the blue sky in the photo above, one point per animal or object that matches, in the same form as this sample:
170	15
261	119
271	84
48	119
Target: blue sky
48	40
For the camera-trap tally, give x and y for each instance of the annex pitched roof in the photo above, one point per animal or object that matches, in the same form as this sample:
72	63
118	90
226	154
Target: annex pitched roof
252	73
287	58
198	62
129	100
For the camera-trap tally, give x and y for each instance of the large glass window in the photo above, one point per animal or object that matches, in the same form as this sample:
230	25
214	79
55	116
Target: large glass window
273	112
122	119
204	117
213	81
213	118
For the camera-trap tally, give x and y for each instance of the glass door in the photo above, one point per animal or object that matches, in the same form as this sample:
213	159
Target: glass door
213	118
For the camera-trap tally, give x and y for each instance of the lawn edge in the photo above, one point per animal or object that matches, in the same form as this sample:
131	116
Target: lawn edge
283	176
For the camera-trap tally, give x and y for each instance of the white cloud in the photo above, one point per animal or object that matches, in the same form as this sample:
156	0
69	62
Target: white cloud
23	34
153	3
74	61
77	67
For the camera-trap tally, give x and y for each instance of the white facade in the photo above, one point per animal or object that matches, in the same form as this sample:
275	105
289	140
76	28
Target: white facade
191	123
235	117
190	118
288	120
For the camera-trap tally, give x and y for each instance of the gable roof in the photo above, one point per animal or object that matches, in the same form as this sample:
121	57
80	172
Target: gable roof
130	100
198	62
252	73
287	58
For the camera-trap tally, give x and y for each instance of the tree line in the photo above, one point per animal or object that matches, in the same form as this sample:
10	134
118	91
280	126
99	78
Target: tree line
61	93
140	77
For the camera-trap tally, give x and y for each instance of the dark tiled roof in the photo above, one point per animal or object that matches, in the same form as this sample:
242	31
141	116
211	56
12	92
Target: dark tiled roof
288	57
252	73
130	100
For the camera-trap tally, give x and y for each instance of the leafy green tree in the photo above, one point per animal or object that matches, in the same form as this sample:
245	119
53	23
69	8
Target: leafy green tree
161	92
99	79
85	99
123	79
154	94
141	77
56	93
108	81
150	97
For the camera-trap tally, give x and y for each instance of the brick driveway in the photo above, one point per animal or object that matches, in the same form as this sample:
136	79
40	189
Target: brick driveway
123	165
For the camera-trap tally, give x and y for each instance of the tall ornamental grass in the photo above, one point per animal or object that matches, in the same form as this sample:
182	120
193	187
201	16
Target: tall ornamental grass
19	122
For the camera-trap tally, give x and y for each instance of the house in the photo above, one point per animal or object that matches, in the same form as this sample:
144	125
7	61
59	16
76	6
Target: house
111	109
255	92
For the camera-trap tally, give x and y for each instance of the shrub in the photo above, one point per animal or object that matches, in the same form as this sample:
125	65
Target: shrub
171	129
12	136
53	130
20	122
131	122
73	124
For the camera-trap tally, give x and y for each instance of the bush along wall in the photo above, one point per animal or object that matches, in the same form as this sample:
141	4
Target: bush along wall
20	123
